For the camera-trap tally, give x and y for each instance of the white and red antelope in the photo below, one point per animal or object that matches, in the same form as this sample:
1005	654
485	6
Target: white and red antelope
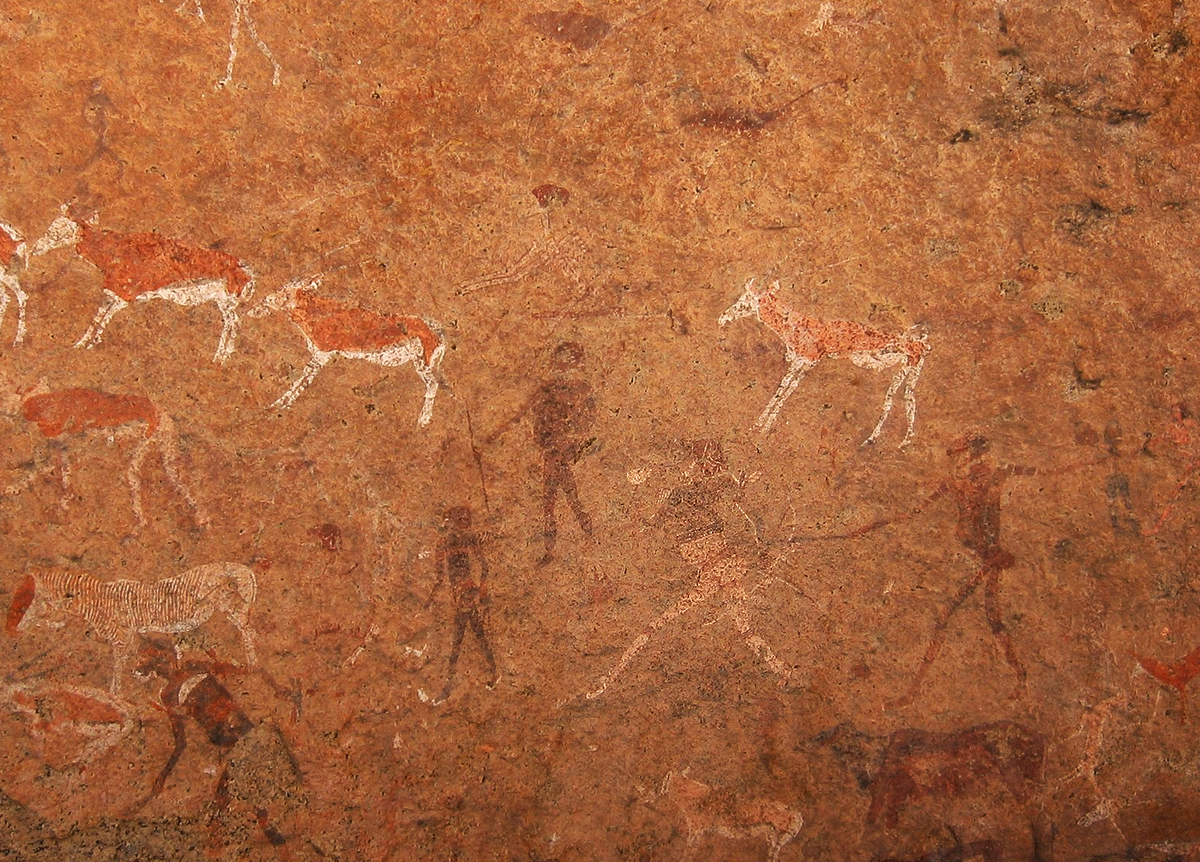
12	259
808	340
118	611
710	811
142	266
334	328
80	411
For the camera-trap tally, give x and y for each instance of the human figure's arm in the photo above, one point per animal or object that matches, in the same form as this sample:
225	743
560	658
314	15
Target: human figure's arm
511	421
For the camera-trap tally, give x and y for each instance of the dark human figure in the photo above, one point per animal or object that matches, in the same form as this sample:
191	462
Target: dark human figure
977	495
563	411
1116	489
470	597
193	692
95	113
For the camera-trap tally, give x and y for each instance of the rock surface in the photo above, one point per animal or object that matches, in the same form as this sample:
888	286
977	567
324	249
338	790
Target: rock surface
527	555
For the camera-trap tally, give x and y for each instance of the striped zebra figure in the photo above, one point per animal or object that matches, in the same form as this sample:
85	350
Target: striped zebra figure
119	610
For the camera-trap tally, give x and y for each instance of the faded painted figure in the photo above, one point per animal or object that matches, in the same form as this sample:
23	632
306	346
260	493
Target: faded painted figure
83	411
470	595
335	328
920	763
118	611
718	811
977	495
691	512
142	266
257	767
563	411
809	340
12	261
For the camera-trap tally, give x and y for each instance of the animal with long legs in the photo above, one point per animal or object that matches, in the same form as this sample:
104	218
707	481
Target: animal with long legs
809	340
118	611
142	266
335	328
80	411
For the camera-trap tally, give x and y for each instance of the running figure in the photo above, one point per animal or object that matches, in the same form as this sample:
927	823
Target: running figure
977	495
691	514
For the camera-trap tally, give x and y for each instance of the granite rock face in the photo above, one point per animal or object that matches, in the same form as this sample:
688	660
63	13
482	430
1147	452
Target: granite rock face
599	432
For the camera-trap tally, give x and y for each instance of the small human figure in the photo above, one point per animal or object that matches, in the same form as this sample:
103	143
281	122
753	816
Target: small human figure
977	495
1116	488
470	596
96	109
194	692
563	411
1185	434
692	512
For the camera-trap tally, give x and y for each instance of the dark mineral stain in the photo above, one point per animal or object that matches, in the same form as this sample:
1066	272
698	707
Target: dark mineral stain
582	31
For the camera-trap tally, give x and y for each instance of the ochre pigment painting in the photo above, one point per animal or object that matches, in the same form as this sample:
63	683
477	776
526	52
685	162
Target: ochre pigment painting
654	431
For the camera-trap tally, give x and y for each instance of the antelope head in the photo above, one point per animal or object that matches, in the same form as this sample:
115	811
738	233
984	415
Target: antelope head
746	305
284	299
64	230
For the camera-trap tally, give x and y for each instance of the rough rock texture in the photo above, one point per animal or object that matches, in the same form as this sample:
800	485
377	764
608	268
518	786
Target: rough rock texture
528	557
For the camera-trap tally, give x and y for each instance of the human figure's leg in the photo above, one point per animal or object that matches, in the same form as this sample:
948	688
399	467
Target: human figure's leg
700	594
737	613
571	492
460	629
939	635
477	627
991	604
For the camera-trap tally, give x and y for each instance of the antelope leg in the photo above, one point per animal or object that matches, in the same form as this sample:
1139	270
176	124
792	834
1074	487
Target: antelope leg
897	381
787	386
112	304
315	364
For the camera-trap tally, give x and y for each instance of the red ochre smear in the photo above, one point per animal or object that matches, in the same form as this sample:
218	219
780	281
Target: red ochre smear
334	325
582	31
8	248
548	193
74	410
22	599
138	263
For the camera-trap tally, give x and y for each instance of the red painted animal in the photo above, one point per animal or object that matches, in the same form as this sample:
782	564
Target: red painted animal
79	411
335	328
142	266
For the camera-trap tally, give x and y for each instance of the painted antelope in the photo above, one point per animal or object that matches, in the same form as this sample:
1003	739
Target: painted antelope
808	340
12	258
79	411
334	328
117	611
142	266
710	811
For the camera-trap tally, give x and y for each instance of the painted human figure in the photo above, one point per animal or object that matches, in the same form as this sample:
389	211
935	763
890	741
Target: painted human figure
96	109
470	596
193	691
563	410
1184	433
692	513
977	494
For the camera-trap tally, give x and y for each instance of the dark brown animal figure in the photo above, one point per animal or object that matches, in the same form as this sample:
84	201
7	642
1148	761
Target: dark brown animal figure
919	763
